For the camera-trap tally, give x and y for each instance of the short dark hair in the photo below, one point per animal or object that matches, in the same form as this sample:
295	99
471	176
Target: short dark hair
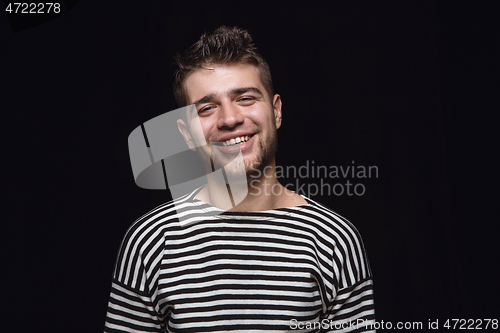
223	46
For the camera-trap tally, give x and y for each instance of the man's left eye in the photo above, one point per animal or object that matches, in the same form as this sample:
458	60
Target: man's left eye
247	99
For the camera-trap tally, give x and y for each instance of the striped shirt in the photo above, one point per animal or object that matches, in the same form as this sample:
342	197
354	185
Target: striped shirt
295	269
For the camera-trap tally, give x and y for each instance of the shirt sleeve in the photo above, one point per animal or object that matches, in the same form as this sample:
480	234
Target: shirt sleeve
351	307
130	310
133	305
352	310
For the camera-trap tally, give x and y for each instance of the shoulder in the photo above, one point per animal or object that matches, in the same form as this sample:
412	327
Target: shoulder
344	240
144	240
166	217
327	219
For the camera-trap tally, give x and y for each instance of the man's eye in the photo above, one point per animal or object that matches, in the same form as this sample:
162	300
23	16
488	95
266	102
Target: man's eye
247	99
205	109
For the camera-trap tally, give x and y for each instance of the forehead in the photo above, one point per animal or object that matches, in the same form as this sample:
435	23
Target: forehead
220	79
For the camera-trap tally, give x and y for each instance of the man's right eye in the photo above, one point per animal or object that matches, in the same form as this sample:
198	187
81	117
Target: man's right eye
205	109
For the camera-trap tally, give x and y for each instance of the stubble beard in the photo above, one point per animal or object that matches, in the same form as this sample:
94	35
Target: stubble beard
255	169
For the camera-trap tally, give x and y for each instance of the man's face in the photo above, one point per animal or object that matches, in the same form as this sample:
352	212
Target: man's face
233	106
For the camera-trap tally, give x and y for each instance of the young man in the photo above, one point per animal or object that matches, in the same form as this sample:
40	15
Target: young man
270	261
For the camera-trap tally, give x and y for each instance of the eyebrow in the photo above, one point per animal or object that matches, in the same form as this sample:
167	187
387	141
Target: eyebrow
239	91
205	99
236	91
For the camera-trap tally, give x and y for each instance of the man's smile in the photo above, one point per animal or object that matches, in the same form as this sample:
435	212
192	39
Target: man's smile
236	140
235	144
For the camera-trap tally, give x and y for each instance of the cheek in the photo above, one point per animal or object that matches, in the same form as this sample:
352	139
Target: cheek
201	129
208	130
260	118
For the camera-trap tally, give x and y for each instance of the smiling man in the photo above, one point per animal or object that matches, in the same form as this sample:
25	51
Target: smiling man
272	261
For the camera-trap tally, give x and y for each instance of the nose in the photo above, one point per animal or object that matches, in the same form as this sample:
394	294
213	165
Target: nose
229	116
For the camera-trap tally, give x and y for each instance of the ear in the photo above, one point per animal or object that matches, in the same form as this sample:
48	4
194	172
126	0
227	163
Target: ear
277	110
181	125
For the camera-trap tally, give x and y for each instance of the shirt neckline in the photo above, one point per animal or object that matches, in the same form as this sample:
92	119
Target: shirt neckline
201	203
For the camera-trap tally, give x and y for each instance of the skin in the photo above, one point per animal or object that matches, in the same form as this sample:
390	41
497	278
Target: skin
231	100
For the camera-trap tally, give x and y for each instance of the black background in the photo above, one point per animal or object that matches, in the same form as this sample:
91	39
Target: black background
411	87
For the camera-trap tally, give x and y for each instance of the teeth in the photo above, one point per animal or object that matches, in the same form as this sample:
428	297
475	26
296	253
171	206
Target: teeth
236	140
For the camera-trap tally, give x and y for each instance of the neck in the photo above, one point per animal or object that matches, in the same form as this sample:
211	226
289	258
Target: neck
264	193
